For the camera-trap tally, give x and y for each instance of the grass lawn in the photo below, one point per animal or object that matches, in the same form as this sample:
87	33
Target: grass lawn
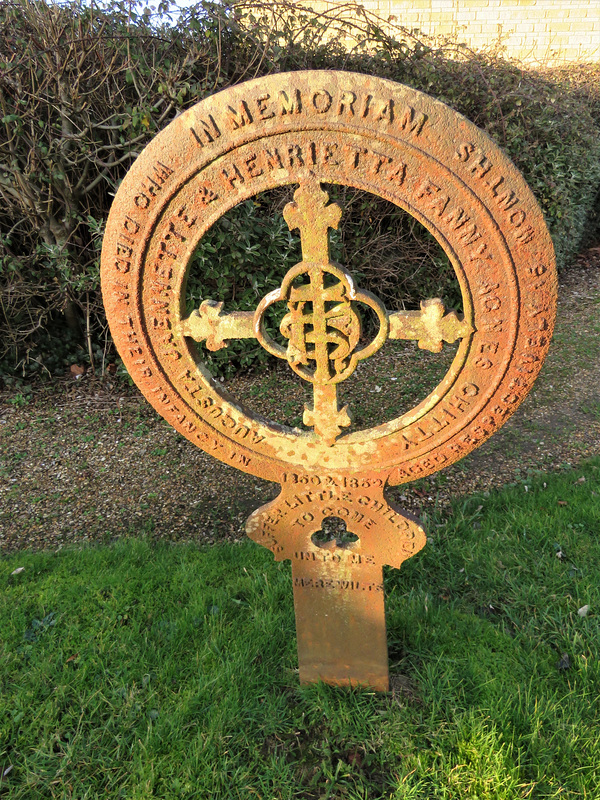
140	670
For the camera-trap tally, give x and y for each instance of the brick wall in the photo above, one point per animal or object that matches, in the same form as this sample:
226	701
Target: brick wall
546	32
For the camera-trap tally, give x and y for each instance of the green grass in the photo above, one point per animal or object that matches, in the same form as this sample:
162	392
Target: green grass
140	671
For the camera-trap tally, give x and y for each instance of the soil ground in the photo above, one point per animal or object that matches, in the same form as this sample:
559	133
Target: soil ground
88	460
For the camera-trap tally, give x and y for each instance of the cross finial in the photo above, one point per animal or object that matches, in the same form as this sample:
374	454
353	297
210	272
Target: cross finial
310	213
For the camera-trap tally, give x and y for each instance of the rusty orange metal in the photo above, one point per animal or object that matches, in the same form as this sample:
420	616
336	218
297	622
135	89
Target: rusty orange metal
307	129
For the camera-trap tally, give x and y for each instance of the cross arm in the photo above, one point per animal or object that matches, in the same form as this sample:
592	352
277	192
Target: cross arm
209	324
310	214
429	326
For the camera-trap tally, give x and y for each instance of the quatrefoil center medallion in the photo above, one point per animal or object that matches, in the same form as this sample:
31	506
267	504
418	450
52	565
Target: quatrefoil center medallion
322	327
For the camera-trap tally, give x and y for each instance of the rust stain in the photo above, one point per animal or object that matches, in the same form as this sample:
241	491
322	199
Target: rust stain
308	129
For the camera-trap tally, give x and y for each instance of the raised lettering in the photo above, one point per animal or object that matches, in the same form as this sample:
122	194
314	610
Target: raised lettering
273	159
411	120
231	176
206	195
507	199
265	111
322	100
205	130
526	235
239	117
295	155
456	218
463	151
253	170
130	225
386	112
290	105
481	165
346	103
470	234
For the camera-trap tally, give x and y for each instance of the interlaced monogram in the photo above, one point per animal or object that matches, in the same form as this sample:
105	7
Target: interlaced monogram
322	327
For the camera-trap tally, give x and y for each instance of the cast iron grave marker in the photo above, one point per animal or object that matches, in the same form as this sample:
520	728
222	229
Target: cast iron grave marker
307	129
